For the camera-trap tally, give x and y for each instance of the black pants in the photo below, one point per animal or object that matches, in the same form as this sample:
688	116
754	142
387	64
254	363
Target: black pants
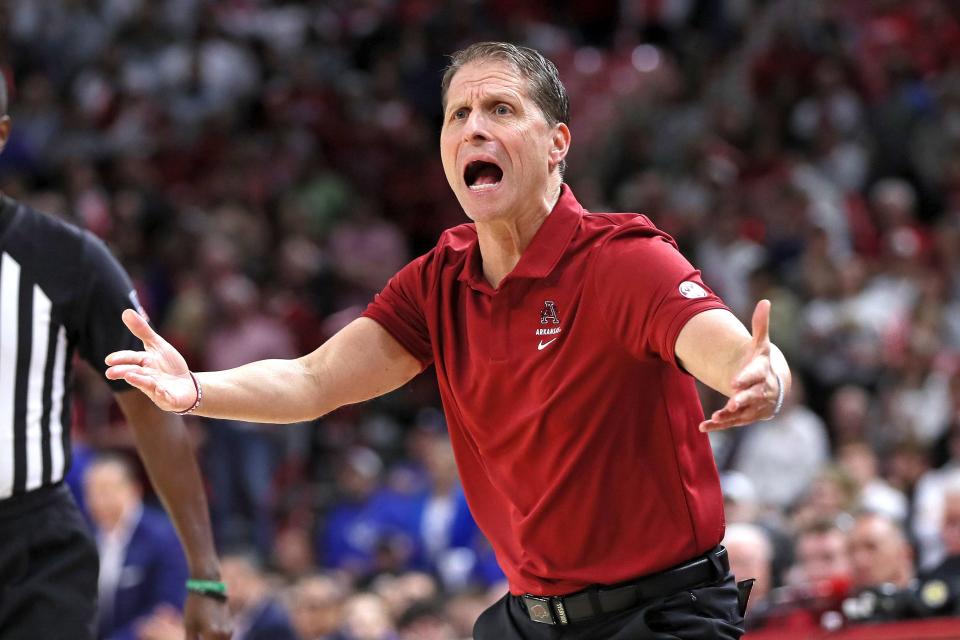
703	613
48	568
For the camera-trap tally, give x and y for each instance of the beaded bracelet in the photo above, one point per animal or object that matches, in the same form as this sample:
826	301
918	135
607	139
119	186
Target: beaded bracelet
196	405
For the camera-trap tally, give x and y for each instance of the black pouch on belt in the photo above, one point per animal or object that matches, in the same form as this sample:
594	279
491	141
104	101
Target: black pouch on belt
744	587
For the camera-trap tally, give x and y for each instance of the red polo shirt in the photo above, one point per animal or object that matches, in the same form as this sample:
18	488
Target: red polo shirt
575	431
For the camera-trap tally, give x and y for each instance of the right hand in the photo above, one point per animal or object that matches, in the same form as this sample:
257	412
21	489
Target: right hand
159	371
205	618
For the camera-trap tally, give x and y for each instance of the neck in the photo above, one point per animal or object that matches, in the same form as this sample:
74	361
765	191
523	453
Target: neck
503	241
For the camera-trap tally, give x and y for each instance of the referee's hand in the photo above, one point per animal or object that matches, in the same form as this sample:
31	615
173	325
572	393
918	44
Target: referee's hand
755	385
159	371
205	618
202	619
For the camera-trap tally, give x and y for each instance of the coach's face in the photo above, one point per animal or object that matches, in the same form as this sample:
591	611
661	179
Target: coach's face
497	147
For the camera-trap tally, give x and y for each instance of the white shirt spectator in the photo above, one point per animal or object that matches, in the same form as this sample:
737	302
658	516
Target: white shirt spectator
782	456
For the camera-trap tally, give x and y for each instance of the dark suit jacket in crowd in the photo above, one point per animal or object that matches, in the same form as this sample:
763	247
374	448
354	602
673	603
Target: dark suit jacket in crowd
154	573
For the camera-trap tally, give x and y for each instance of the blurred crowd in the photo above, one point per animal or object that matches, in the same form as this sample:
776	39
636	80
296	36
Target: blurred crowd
262	168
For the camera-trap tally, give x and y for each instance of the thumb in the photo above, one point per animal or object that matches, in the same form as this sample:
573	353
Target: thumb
761	324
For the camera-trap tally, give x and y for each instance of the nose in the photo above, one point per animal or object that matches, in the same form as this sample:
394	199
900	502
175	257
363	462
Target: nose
475	128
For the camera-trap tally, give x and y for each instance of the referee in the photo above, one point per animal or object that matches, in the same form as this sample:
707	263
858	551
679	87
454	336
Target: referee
61	292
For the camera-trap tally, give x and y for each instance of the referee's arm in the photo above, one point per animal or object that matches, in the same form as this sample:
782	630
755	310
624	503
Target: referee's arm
716	349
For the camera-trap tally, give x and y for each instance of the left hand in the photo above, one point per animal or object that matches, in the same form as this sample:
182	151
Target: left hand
206	619
755	385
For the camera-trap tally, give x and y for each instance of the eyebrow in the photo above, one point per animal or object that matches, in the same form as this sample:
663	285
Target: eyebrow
495	98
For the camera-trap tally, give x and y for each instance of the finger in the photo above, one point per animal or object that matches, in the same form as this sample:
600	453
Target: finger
734	413
752	396
120	370
753	374
127	357
145	383
761	324
708	426
737	409
139	327
732	420
727	415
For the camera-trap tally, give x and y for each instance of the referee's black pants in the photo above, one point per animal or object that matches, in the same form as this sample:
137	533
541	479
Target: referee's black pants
48	568
708	612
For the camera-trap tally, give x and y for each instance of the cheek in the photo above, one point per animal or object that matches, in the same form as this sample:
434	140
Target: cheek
448	156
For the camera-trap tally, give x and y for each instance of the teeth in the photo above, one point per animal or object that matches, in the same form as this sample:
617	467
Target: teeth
484	187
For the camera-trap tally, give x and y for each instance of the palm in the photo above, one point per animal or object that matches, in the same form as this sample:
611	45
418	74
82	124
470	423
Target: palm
755	385
159	370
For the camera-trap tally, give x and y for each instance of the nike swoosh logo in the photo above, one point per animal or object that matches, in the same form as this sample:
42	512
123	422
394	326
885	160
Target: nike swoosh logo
543	345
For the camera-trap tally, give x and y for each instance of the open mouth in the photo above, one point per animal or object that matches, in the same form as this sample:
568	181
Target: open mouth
481	175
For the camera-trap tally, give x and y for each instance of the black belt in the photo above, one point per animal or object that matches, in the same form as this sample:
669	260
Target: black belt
595	601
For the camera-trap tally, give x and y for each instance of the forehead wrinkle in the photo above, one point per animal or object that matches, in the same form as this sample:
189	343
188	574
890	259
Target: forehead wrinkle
509	84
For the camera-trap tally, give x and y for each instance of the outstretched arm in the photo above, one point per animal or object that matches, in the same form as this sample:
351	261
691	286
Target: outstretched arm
360	362
717	350
166	451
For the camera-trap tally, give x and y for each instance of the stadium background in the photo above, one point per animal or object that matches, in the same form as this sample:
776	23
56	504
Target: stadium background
262	168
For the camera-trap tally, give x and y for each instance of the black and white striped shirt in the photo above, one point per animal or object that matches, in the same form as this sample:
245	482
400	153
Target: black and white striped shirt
60	291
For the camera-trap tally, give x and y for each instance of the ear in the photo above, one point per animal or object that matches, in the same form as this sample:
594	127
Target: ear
559	144
4	131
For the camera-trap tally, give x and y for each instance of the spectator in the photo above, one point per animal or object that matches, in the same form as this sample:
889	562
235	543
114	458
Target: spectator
949	569
141	564
879	553
316	607
242	458
859	462
257	614
739	498
783	456
399	593
366	617
848	414
446	540
751	556
425	621
832	494
817	584
359	534
821	555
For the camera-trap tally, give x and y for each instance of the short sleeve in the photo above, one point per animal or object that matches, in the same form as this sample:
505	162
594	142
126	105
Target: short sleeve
399	310
647	290
109	292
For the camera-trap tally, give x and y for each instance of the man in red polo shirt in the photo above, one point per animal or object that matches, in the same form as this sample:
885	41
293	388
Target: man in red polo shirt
566	346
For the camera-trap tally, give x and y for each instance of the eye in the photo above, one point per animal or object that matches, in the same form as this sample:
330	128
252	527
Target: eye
459	114
502	110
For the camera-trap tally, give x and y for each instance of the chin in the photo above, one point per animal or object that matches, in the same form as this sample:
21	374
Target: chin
483	208
485	212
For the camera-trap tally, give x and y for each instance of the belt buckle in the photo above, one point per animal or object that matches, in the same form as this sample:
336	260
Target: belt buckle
539	609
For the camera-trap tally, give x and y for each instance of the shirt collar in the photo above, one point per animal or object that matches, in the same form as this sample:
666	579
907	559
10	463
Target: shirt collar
125	528
544	251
